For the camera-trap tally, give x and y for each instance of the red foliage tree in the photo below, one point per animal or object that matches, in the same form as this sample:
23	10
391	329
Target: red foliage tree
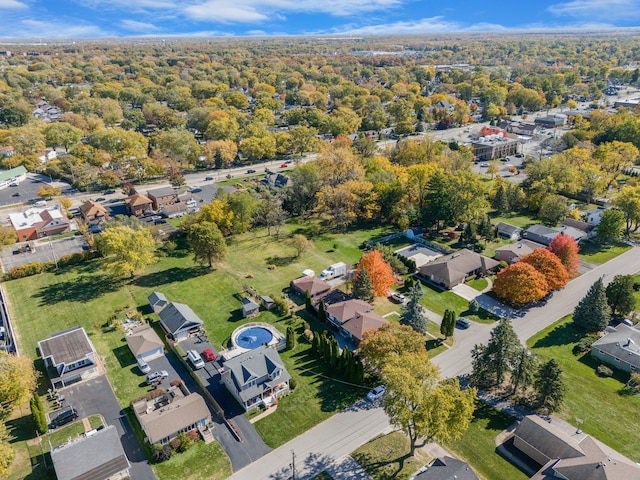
549	265
379	272
520	284
566	249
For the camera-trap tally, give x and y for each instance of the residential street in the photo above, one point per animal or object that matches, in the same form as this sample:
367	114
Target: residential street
325	445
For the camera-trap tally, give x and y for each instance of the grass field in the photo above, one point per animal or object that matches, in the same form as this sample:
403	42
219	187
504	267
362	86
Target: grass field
388	457
439	300
477	445
192	464
609	414
597	254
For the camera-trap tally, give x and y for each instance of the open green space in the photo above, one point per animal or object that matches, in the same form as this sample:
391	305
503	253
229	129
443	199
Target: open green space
478	283
477	446
520	219
609	414
598	254
388	457
192	464
438	301
61	435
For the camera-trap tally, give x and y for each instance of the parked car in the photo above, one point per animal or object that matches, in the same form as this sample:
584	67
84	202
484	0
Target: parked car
194	358
484	164
100	199
65	417
143	366
208	178
397	297
505	159
463	323
17	194
251	170
159	221
208	355
109	192
195	190
376	393
157	375
519	155
284	165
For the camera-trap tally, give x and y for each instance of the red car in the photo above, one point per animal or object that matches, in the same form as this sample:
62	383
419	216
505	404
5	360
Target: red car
208	355
284	165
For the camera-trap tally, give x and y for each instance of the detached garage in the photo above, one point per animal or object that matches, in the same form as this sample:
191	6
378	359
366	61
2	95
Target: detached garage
145	343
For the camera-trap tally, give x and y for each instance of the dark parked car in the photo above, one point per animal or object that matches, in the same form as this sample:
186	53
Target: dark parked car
195	190
100	199
109	192
159	221
208	178
463	323
17	194
65	417
251	170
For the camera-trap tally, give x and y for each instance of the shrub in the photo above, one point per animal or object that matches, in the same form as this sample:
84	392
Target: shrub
175	443
193	435
308	334
39	418
293	384
584	345
185	442
604	371
161	453
474	307
150	395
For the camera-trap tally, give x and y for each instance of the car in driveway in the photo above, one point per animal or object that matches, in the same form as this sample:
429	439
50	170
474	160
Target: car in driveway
195	359
65	417
397	297
208	355
158	375
143	366
376	393
463	323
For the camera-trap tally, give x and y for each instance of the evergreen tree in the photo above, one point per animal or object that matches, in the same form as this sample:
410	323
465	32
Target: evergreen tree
469	233
524	369
493	361
335	352
307	302
291	338
413	313
351	366
620	295
592	313
358	375
342	362
39	418
501	200
448	324
362	286
549	385
315	343
485	229
322	314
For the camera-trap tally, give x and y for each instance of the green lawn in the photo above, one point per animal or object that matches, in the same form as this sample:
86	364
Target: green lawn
439	300
477	446
192	464
478	283
636	294
595	253
522	220
322	476
83	295
388	457
61	435
608	413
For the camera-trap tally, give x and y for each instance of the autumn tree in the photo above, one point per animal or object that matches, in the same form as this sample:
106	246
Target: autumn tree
391	339
620	296
362	287
592	312
61	133
549	265
566	249
126	251
219	213
220	153
379	271
412	312
8	235
207	243
423	405
7	453
299	243
549	385
48	191
65	203
448	325
520	284
17	382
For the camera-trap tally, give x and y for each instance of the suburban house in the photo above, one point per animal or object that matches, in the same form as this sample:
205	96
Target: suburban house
137	204
256	378
454	268
98	455
594	215
178	209
145	343
353	317
69	357
275	179
249	308
620	348
157	301
540	234
588	230
510	232
93	212
570	455
313	285
39	222
447	468
179	321
165	416
13	176
161	197
514	251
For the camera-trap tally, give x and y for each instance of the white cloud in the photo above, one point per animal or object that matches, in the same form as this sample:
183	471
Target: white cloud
129	5
257	11
12	4
432	24
141	27
598	9
30	28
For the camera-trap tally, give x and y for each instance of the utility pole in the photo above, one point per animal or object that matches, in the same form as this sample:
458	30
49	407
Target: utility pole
293	465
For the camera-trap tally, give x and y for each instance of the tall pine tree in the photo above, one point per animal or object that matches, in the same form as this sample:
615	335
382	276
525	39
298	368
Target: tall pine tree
322	313
412	311
448	324
362	286
592	313
492	362
549	385
500	201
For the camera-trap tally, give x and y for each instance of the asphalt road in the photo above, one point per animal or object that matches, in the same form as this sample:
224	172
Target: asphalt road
327	443
95	396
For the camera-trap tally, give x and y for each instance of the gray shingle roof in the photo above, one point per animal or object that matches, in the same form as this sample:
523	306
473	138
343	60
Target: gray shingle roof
456	266
505	227
67	346
178	317
622	342
156	297
163	192
447	468
96	457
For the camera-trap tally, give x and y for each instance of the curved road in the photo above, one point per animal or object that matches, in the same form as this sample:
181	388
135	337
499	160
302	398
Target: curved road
325	445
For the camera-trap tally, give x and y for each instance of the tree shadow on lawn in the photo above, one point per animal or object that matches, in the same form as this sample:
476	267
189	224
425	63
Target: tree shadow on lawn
83	289
280	261
171	275
594	363
561	335
496	420
366	461
124	356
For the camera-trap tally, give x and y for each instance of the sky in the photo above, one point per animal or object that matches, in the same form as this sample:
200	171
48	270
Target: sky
42	19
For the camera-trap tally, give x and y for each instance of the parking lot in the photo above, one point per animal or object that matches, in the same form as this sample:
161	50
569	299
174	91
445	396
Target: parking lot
45	251
27	190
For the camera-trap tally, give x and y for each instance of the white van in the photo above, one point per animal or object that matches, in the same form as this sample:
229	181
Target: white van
40	203
195	359
143	366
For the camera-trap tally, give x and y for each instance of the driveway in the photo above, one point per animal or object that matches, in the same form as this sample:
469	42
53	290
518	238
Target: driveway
95	396
485	301
46	251
252	446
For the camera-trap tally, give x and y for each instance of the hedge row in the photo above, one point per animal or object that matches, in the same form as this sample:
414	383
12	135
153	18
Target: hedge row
35	268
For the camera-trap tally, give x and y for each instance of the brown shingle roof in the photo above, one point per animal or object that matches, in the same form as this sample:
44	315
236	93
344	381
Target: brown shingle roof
90	208
313	285
143	339
362	322
137	199
345	311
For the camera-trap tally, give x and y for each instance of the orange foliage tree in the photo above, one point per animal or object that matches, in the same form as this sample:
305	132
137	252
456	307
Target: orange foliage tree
549	265
520	284
566	249
379	271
